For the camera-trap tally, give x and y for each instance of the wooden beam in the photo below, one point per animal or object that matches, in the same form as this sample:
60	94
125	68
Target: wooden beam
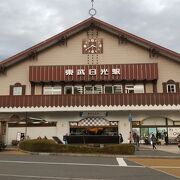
2	69
63	41
153	53
33	55
122	39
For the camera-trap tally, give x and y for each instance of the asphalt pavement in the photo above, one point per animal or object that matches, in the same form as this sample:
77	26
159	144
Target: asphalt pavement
65	167
19	165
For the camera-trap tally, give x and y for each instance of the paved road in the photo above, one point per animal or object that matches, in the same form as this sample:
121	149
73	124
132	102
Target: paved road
34	167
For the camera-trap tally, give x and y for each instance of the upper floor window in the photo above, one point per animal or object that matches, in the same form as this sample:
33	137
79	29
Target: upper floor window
98	89
17	89
88	89
117	89
68	89
129	89
78	89
108	89
171	88
134	88
93	89
113	89
52	90
139	88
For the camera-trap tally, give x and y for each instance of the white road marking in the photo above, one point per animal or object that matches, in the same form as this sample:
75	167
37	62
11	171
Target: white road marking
68	164
121	162
56	163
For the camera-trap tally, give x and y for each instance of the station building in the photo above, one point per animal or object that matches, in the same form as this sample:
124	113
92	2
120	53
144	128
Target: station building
92	79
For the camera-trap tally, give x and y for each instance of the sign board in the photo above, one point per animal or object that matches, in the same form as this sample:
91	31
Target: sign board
173	132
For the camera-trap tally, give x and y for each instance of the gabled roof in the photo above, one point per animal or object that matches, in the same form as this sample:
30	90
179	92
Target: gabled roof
82	26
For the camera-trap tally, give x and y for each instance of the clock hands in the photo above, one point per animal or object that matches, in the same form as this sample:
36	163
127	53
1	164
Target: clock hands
92	46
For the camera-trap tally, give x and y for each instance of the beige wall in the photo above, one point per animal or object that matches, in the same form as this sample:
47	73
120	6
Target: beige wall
168	69
149	88
113	53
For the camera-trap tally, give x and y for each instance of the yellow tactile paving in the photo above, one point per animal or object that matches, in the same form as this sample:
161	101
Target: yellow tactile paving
174	172
170	166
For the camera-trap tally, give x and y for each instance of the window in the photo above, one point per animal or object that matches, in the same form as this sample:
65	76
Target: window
78	90
113	89
171	88
52	90
108	89
88	89
97	89
129	89
117	89
68	90
17	91
134	88
139	89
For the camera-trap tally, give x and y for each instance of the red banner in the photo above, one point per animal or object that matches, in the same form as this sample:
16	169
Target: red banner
106	72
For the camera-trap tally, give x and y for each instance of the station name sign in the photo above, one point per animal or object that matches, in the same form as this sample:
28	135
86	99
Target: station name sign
102	72
92	72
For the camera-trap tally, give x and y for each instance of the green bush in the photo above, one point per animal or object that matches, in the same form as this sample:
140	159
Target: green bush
37	145
119	149
44	145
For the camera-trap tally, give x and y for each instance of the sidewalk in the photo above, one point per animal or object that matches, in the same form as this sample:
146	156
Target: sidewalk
166	151
166	148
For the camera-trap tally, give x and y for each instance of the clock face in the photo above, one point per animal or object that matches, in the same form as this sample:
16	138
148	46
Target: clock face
92	46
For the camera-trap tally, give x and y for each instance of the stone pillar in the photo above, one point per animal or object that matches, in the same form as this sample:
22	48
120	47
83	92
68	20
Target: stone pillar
124	129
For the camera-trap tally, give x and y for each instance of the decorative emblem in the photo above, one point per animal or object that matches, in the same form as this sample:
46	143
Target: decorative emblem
92	46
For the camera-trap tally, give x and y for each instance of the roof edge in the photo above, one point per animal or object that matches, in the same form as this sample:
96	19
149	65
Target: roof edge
84	24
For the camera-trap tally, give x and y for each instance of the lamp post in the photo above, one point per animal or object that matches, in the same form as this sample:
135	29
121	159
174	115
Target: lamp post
130	122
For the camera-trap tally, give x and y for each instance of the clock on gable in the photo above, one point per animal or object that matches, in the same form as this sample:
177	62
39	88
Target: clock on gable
92	46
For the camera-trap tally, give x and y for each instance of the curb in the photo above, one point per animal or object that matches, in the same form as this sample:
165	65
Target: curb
174	156
104	155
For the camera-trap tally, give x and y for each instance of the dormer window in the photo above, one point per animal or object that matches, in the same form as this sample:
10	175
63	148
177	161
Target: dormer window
170	86
17	89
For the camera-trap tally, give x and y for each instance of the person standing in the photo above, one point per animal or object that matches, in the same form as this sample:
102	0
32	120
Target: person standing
120	138
136	140
153	139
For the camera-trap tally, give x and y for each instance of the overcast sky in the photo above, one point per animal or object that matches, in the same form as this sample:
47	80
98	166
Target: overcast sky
24	23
